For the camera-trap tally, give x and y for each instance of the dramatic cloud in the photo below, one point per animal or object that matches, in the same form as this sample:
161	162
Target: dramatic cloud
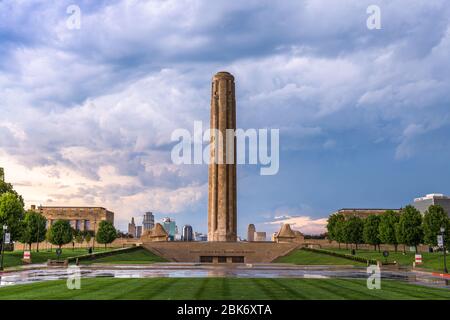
86	115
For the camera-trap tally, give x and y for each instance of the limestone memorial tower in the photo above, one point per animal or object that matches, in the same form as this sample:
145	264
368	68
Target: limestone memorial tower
222	219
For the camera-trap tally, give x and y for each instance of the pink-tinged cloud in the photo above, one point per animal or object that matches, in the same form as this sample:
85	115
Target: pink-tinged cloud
304	224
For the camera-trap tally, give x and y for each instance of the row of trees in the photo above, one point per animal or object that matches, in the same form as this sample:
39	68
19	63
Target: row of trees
30	226
408	228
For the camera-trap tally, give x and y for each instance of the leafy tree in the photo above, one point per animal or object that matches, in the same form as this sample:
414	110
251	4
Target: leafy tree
11	214
399	234
8	188
410	226
371	233
87	237
435	218
60	233
79	237
340	231
386	229
334	227
33	228
353	230
106	233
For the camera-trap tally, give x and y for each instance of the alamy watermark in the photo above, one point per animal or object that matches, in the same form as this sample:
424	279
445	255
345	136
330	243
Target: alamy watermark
73	22
263	146
374	279
73	278
374	20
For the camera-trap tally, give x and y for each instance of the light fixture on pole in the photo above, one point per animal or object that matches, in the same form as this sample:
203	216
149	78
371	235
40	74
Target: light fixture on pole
5	227
445	249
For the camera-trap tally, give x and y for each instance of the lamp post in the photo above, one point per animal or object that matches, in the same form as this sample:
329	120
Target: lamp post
3	245
445	249
93	238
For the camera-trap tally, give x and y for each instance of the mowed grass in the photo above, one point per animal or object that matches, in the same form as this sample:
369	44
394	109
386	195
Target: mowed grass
431	261
304	257
14	258
138	256
220	288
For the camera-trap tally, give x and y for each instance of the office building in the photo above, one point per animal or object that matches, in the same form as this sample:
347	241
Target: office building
149	221
423	203
171	228
187	234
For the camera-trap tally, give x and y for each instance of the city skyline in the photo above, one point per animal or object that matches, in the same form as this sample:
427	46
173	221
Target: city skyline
363	119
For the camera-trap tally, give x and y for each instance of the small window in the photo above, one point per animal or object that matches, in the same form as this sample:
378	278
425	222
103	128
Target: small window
222	259
237	259
206	259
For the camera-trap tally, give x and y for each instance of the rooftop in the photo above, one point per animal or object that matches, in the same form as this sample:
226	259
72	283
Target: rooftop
432	196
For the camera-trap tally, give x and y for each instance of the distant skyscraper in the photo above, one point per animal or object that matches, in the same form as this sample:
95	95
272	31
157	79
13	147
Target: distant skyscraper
171	228
260	236
132	228
187	233
138	231
200	236
251	232
2	175
149	221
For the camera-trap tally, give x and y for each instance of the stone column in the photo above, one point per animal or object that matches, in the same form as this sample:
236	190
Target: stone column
222	218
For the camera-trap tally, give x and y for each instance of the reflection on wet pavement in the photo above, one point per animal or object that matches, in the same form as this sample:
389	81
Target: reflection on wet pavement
176	270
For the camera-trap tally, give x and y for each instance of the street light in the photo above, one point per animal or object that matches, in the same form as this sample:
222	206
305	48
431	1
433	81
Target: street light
5	227
443	245
93	238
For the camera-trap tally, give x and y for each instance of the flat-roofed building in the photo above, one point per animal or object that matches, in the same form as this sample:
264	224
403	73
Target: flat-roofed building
81	218
423	203
363	212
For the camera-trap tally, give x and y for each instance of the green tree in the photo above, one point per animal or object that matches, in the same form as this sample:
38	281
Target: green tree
435	217
334	227
60	233
410	227
340	232
11	214
106	233
33	228
388	221
353	230
371	233
88	236
8	188
79	238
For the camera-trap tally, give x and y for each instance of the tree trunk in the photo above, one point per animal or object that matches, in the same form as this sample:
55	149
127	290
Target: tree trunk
37	246
395	246
339	245
416	249
374	247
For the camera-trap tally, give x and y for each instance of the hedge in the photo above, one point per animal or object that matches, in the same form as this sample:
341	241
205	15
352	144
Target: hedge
96	255
343	255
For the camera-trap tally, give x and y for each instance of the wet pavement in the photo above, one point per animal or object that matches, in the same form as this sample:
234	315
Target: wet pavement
182	270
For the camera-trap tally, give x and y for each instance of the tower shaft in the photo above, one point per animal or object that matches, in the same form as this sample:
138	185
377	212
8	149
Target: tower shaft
222	218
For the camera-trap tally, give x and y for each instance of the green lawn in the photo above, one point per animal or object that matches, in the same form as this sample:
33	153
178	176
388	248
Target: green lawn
138	256
14	258
220	288
304	257
431	261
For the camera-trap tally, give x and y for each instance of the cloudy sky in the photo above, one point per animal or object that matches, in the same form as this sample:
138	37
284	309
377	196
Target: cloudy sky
86	115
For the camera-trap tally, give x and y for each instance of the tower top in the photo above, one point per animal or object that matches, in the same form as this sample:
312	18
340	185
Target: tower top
2	175
223	75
